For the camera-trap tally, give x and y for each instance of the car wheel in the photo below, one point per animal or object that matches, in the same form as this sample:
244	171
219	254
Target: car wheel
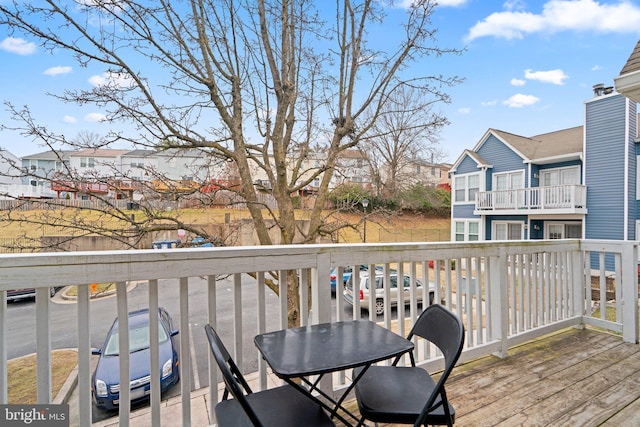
379	306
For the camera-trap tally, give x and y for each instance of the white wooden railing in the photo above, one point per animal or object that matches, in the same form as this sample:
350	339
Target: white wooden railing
553	198
506	292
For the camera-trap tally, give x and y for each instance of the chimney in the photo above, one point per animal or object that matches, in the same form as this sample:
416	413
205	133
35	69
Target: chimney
598	89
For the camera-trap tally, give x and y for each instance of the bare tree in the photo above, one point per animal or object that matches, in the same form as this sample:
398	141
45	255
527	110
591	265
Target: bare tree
255	82
404	133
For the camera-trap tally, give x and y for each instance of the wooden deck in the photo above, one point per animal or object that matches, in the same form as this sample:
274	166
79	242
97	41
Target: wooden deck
571	378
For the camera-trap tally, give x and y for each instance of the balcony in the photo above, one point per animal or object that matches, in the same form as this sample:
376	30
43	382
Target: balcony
507	294
552	200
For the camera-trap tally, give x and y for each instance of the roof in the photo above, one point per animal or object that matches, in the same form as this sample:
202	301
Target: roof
49	155
140	153
633	63
99	152
561	143
548	147
351	154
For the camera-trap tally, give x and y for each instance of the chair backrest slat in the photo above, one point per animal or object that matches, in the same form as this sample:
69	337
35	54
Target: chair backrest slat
441	327
233	378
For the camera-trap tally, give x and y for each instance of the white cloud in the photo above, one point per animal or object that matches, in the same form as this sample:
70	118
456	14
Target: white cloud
56	71
560	15
19	46
555	77
489	103
514	5
95	117
464	110
518	82
596	68
111	79
519	100
69	119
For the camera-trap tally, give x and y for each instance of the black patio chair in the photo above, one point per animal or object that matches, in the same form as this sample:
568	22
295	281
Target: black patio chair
409	395
282	406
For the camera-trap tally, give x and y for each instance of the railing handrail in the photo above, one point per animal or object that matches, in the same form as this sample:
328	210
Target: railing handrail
515	291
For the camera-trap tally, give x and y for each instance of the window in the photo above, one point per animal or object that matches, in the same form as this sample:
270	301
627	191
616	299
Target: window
58	166
559	230
508	230
87	162
503	183
466	188
467	231
560	176
474	231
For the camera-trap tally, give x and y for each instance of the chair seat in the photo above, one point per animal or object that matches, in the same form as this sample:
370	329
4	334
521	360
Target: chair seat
397	395
279	407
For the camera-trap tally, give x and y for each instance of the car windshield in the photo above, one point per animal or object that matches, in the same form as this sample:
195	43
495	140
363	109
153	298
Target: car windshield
138	339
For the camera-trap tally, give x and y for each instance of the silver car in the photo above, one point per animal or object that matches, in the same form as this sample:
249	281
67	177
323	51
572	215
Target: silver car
363	291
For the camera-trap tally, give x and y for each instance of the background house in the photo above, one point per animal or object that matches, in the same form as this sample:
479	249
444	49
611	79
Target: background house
573	183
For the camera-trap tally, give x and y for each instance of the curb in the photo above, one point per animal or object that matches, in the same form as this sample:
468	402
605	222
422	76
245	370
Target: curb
67	388
63	295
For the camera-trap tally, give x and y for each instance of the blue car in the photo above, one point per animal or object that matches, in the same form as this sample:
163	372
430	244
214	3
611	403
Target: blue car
105	385
346	274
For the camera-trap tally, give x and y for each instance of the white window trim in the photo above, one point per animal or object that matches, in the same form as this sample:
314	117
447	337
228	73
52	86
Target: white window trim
495	223
466	223
508	173
466	176
546	171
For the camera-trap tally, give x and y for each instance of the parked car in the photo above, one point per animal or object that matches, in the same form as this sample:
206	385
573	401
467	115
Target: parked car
16	294
105	384
364	289
200	242
346	274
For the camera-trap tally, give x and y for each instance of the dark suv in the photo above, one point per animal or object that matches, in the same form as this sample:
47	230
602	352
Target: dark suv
15	294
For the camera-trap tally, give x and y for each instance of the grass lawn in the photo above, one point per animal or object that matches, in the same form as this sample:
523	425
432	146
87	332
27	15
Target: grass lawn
22	375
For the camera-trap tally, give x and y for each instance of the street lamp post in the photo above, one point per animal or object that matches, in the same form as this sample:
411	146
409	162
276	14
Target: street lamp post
365	203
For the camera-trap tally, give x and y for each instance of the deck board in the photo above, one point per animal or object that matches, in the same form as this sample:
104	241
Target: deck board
570	378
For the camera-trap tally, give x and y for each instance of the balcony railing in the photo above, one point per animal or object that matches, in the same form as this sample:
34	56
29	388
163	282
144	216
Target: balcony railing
552	199
505	292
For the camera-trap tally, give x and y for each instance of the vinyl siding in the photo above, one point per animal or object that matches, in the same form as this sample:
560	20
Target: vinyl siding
605	147
501	157
467	165
463	211
459	211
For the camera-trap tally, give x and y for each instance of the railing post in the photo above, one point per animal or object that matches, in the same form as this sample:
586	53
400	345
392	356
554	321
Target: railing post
43	345
499	309
580	283
630	292
321	301
3	348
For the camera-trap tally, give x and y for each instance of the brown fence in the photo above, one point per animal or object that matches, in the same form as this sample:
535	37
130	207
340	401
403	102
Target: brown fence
418	235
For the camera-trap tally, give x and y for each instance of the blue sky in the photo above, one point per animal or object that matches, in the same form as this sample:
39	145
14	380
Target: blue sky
528	68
